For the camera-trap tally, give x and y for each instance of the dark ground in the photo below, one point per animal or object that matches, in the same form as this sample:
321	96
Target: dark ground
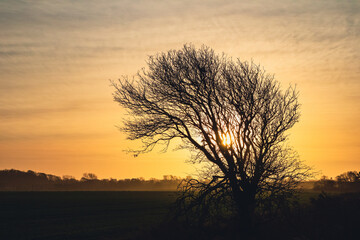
142	215
80	215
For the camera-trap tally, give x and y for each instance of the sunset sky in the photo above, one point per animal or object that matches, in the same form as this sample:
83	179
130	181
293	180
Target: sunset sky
56	58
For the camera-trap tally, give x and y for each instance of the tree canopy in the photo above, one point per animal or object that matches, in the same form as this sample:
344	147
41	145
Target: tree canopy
230	113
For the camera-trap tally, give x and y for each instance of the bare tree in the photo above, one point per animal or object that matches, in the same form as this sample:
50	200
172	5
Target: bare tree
229	113
89	176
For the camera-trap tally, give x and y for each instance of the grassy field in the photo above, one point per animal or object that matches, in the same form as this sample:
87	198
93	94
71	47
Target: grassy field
141	215
80	215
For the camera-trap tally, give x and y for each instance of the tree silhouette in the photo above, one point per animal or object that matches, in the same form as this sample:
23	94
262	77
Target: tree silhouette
230	114
89	177
350	176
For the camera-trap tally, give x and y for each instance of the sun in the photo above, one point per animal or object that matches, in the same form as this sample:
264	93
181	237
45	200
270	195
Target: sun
226	139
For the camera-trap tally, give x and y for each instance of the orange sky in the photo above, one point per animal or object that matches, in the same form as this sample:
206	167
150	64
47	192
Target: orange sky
56	57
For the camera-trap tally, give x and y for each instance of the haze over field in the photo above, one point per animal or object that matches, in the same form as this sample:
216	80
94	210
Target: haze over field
56	57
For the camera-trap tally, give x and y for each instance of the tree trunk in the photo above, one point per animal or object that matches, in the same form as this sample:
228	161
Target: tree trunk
245	203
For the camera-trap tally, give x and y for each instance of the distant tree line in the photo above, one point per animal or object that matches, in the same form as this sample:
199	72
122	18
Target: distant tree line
15	180
346	182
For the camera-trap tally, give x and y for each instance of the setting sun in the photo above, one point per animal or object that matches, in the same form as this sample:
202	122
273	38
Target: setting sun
226	139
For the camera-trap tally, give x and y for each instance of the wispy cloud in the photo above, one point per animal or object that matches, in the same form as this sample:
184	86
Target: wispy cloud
22	112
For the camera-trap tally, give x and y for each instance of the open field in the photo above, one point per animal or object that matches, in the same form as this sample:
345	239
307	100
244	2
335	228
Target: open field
80	215
141	215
